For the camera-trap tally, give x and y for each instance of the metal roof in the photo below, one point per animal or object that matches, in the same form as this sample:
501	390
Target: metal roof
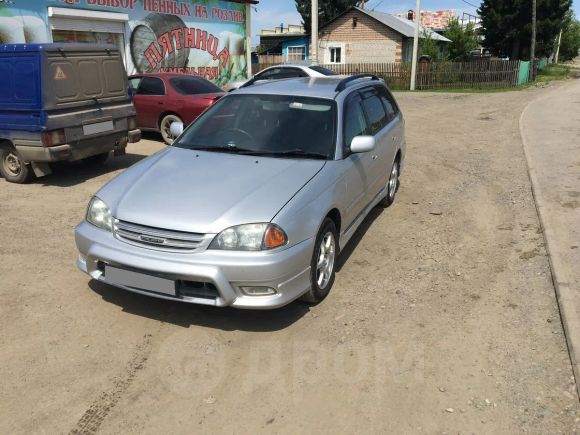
401	25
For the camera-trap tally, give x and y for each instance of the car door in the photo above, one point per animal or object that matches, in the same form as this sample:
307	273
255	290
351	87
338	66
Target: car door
396	122
356	165
149	101
383	131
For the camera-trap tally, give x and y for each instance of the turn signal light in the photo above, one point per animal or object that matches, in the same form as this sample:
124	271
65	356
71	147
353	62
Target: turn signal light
52	138
274	237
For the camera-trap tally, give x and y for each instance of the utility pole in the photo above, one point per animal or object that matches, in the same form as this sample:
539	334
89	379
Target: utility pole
533	47
416	44
314	33
558	47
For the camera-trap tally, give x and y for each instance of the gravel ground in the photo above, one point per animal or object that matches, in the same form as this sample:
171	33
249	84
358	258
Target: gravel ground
442	318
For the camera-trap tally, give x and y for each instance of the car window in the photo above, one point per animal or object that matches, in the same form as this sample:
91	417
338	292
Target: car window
281	73
192	85
376	115
321	70
272	125
151	86
389	102
134	83
354	120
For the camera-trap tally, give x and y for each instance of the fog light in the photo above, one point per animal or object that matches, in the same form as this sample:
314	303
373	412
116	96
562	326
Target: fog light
258	291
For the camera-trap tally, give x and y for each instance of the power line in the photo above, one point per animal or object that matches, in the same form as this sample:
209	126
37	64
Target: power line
470	4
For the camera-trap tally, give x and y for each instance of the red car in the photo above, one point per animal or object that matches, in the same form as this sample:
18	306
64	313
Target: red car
163	98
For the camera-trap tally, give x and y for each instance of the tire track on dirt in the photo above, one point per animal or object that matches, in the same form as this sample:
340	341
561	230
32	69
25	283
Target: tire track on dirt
93	417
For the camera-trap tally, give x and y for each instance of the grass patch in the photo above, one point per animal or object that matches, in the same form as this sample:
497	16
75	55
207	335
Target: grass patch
553	72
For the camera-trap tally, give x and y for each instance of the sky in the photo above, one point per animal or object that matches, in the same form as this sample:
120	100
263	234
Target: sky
271	13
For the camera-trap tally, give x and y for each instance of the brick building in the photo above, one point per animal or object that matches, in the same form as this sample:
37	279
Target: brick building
364	36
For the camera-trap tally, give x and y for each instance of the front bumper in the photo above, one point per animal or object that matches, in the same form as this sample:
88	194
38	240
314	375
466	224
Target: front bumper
287	271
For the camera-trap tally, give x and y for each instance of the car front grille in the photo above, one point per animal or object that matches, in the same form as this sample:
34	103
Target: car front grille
157	238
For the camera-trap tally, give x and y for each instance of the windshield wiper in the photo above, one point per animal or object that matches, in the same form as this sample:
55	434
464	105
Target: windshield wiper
297	152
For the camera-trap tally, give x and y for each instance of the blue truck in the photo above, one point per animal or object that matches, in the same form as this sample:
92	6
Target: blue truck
61	102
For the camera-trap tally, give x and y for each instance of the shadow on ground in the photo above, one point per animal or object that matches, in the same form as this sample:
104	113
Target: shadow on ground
357	236
186	315
65	174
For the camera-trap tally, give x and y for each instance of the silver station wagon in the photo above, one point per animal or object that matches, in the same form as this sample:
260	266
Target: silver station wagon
252	203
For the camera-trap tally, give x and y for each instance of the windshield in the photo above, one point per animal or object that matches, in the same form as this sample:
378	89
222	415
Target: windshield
193	85
275	125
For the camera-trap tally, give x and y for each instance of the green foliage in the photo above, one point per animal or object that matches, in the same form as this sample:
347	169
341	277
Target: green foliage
429	47
570	43
507	26
463	40
327	10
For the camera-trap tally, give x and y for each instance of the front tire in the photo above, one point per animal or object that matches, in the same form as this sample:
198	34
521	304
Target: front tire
165	127
323	263
392	185
13	168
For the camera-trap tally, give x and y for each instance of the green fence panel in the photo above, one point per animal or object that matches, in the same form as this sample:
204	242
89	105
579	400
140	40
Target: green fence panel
542	64
524	73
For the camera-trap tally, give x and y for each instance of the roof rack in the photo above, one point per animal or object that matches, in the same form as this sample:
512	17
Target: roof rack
344	82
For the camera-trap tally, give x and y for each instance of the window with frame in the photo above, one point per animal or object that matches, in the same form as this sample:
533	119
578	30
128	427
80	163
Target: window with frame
151	86
374	109
355	123
389	102
335	54
296	53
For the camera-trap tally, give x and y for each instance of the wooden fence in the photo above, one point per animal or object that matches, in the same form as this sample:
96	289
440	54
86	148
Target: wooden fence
436	75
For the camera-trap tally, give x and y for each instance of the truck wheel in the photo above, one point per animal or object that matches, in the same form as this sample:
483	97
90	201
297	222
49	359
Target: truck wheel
13	168
99	159
165	126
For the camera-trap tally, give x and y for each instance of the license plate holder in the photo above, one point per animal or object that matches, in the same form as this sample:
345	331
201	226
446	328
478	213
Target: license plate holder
97	127
140	281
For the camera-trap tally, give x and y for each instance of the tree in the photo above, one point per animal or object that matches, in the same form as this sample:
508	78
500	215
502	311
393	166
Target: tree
507	26
463	40
429	47
327	10
570	43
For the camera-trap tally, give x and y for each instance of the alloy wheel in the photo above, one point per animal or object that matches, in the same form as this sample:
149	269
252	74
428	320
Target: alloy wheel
326	257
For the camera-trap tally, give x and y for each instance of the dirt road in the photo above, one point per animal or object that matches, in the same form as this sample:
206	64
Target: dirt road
442	318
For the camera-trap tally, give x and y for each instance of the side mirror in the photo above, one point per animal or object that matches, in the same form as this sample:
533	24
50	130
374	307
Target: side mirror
176	128
362	144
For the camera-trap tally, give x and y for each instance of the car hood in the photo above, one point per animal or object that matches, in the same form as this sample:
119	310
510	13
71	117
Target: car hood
205	192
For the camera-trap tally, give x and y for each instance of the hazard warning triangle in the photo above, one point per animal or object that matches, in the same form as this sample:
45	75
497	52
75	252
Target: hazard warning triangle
59	73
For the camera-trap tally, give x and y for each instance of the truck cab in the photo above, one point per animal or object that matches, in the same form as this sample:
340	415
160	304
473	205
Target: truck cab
61	102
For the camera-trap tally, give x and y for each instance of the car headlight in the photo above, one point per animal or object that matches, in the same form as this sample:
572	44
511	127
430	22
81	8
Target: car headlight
99	214
250	237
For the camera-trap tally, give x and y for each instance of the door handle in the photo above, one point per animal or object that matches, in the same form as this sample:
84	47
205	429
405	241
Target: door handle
375	157
160	103
395	138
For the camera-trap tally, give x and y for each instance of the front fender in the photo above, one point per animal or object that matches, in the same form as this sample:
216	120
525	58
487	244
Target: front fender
302	216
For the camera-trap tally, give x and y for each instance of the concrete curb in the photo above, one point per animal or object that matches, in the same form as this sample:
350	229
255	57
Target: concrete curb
564	293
